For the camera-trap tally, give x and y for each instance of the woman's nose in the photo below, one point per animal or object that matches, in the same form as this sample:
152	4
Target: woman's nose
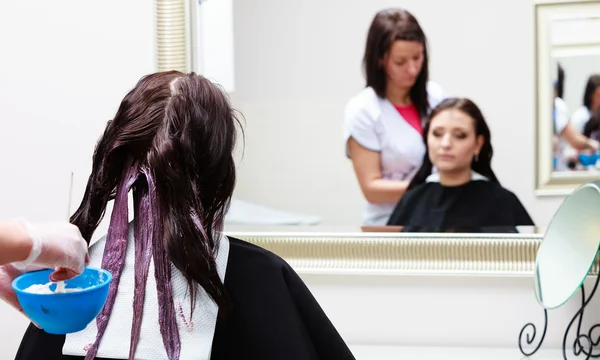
413	68
446	141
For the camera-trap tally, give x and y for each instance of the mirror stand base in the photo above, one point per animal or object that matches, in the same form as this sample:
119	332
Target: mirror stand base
530	338
583	345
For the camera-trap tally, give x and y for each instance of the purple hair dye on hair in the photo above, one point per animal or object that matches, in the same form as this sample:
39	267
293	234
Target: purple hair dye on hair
147	233
115	250
162	272
143	231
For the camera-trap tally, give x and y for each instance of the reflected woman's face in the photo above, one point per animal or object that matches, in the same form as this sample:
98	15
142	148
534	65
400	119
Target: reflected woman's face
451	141
403	63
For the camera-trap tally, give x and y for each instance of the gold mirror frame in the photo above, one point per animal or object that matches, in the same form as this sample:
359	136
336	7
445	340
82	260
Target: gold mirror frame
548	182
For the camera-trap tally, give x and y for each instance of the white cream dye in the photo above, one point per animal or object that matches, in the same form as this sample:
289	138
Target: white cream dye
60	287
45	288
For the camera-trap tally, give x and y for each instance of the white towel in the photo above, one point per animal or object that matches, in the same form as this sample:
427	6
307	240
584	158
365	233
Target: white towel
475	176
196	336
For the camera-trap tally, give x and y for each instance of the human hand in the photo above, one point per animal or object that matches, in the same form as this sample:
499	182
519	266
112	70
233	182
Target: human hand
594	144
7	274
56	245
570	153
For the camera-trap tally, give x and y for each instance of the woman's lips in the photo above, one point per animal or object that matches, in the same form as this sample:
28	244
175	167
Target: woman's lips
446	157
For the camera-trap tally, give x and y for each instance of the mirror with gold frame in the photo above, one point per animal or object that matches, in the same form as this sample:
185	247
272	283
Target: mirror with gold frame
348	249
567	46
197	35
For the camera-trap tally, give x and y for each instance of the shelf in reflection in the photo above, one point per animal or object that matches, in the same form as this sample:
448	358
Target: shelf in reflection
324	229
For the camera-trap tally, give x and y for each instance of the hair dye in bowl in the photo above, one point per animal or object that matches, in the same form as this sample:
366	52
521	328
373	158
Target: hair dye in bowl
60	288
67	309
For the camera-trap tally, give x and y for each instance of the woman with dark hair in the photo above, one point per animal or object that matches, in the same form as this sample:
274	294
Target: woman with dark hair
383	123
181	289
464	192
591	103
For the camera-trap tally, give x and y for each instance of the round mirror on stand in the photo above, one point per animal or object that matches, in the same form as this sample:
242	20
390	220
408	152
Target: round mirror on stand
569	247
564	259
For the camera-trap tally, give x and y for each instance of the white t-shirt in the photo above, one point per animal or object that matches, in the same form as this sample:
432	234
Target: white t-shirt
580	117
561	115
378	126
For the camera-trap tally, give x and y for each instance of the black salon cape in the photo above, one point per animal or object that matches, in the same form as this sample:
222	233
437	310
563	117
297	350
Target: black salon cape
478	204
273	316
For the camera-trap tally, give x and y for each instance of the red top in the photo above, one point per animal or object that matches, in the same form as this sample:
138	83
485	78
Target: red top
411	115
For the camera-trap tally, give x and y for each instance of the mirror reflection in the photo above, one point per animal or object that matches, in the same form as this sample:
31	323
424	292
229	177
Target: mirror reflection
569	247
412	154
575	62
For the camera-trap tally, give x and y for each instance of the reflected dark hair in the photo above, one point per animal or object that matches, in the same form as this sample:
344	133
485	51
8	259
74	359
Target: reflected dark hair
388	26
171	142
592	83
592	126
560	82
483	163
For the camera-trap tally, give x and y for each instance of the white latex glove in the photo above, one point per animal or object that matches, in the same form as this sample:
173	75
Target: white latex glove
594	144
56	245
570	153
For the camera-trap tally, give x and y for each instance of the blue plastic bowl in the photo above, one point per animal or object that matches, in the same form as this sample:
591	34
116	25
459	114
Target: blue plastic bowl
588	160
64	313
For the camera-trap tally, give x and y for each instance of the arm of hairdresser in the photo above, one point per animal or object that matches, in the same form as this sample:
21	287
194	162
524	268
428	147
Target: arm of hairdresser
578	140
367	166
54	245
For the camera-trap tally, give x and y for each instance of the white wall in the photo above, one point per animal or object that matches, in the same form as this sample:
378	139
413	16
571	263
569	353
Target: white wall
578	62
65	65
452	312
298	62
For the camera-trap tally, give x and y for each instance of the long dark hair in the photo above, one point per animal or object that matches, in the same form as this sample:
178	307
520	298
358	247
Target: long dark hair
171	142
388	26
482	164
559	86
592	83
592	126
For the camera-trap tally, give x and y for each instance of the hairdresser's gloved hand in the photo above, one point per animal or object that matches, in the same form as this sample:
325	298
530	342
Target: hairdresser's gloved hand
55	245
594	145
